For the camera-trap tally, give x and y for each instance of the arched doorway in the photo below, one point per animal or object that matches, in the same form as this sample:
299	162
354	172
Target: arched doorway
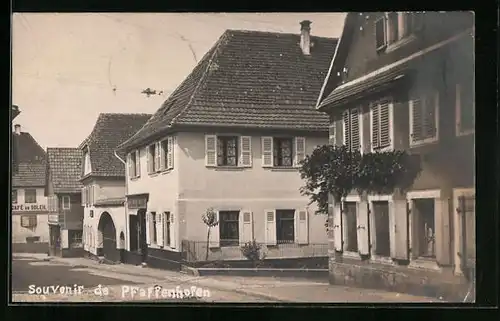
107	229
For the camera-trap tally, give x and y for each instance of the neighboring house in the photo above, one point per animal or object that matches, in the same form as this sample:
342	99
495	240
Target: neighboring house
64	201
29	204
230	138
406	81
14	112
103	180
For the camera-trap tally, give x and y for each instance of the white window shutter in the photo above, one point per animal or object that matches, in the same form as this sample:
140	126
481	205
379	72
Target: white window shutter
362	220
149	159
302	226
162	152
82	191
137	163
270	227
332	132
300	150
415	120
267	151
399	208
385	123
246	151
130	165
375	125
355	129
158	160
245	226
148	228
442	237
347	129
170	152
337	227
210	150
159	228
173	230
215	233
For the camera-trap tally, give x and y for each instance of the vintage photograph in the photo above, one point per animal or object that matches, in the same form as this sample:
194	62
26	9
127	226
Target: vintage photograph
243	157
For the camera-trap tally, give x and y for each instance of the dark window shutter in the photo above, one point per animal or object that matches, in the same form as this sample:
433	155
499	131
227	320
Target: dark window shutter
416	124
355	130
375	125
385	139
429	120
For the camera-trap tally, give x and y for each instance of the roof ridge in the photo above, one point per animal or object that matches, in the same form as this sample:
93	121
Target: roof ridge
277	33
216	48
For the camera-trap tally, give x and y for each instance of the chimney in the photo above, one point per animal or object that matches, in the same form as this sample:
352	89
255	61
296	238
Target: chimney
305	37
17	129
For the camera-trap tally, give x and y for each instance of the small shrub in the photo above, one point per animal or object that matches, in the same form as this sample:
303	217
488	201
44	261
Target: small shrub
252	251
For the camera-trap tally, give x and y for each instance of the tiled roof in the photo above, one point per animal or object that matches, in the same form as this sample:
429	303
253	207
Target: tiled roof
65	166
249	79
116	201
110	131
28	161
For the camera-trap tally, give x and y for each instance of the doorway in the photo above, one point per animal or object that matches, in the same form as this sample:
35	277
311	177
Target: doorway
424	228
381	228
143	246
107	229
350	226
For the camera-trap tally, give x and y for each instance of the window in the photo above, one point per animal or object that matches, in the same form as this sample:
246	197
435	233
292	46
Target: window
30	195
155	232
424	229
229	228
412	22
424	118
332	132
380	33
66	203
75	239
87	168
382	244
227	151
167	155
28	221
352	129
167	228
154	158
134	169
381	125
395	26
285	226
14	196
465	108
350	226
283	151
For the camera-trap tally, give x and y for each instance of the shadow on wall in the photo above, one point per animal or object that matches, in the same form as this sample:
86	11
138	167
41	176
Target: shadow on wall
30	247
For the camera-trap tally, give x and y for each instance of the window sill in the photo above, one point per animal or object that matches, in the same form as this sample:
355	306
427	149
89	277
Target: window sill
135	178
228	168
351	255
382	260
465	133
383	149
400	43
162	172
424	264
283	168
419	143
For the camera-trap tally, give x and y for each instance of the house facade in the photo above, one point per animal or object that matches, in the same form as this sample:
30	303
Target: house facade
64	202
103	184
405	81
29	204
230	139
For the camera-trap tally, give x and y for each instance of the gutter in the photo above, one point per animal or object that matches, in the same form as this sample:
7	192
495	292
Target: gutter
121	160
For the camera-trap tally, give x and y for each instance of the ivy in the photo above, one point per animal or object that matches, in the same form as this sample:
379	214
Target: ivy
338	171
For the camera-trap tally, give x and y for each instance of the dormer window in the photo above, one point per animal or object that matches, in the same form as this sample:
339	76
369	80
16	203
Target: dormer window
87	168
396	28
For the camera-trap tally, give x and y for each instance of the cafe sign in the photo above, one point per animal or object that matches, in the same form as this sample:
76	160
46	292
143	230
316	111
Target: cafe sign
137	201
29	207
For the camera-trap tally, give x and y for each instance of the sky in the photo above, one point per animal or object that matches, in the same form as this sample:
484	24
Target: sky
69	67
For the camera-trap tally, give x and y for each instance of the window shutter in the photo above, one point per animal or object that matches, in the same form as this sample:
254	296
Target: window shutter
270	227
430	117
159	228
246	151
82	190
162	152
173	230
210	150
442	233
301	226
149	159
300	150
170	152
399	209
158	160
355	130
267	151
137	163
385	134
332	132
347	129
148	228
246	226
362	220
214	234
130	165
337	227
415	120
380	33
375	125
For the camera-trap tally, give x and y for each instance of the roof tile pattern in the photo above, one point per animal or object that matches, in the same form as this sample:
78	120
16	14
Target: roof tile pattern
29	161
65	166
249	79
111	130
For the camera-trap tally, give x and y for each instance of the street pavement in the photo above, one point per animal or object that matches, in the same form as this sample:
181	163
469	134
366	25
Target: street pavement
123	282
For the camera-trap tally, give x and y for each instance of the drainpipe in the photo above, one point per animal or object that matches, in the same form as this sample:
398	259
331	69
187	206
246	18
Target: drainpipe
121	160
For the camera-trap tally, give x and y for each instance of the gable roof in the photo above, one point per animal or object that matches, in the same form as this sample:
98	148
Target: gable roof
110	130
28	161
248	79
64	167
